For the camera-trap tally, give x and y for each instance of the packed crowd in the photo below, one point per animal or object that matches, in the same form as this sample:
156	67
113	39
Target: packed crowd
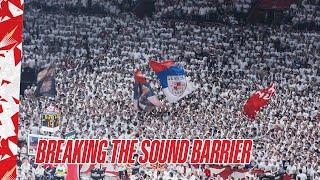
302	14
306	14
94	59
217	10
202	7
86	6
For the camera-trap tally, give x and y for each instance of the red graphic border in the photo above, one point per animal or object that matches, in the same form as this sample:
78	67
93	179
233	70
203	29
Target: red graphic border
11	26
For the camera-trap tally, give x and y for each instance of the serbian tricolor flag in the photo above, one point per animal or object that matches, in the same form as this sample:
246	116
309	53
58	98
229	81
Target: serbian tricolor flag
257	101
143	96
173	80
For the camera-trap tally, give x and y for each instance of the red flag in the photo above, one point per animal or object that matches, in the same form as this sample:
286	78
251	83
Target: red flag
257	101
139	77
160	66
286	177
73	172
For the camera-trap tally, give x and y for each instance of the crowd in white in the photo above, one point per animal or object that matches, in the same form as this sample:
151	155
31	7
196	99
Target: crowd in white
307	12
202	7
95	57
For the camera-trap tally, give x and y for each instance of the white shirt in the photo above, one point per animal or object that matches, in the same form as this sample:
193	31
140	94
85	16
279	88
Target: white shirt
39	171
292	169
25	167
302	176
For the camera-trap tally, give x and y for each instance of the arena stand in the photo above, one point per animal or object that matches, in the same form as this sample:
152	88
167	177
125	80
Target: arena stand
94	56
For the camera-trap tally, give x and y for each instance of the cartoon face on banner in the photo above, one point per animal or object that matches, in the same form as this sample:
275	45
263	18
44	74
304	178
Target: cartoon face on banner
46	86
177	84
50	119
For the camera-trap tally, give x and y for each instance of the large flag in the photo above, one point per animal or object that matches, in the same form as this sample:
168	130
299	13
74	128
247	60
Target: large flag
45	73
173	80
224	172
257	101
143	96
46	84
73	172
110	170
73	169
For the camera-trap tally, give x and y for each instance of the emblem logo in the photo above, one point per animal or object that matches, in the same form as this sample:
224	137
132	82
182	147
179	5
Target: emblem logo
177	84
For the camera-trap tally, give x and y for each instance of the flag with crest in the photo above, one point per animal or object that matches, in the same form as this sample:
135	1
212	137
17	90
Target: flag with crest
175	84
